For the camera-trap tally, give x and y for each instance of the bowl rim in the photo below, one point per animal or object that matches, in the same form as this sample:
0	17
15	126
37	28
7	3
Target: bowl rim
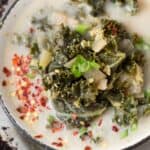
22	131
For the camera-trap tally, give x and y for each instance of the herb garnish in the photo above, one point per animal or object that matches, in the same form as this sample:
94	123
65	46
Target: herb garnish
34	49
98	6
141	43
124	134
134	127
82	28
81	66
147	94
50	120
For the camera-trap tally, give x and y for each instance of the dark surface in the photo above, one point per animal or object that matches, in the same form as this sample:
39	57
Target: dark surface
3	3
5	146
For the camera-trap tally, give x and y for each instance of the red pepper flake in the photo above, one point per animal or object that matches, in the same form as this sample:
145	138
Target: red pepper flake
43	101
31	30
60	144
39	136
115	128
7	72
4	83
57	126
16	60
87	148
75	133
54	143
60	139
100	122
29	92
57	144
32	109
22	110
22	117
21	64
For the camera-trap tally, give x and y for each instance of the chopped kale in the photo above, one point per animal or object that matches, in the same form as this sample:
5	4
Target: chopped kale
113	29
98	6
41	23
34	51
74	94
130	5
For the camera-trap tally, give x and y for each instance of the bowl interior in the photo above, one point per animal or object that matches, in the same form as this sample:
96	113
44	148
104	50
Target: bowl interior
17	21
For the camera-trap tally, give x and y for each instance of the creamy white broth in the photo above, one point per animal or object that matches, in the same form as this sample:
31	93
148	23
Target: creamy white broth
139	24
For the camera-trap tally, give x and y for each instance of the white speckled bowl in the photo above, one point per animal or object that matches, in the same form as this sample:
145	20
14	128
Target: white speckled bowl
17	21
